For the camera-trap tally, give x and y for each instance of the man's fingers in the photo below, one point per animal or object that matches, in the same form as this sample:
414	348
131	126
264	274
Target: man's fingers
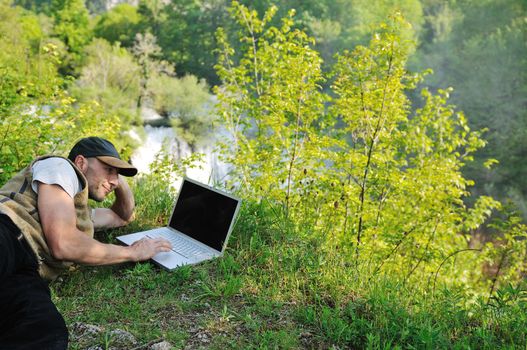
156	241
148	247
161	242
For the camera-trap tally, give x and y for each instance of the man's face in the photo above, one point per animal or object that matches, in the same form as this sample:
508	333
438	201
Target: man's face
102	179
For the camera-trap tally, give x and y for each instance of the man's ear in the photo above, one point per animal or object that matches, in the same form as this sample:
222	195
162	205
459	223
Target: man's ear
81	162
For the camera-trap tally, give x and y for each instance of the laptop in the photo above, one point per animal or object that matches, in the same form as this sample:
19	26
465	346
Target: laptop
199	227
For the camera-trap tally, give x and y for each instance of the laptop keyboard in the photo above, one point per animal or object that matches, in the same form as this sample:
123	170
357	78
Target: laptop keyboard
179	245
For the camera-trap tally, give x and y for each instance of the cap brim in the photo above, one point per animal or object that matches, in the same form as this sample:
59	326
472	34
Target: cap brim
123	168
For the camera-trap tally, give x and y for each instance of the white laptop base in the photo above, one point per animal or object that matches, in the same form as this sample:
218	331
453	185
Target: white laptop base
185	250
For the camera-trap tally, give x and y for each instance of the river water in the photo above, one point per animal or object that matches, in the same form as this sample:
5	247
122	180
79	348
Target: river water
209	171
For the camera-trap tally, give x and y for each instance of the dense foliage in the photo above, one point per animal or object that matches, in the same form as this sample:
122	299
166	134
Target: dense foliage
37	116
383	187
477	47
58	84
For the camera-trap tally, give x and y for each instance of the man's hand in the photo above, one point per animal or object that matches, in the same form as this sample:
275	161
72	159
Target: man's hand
146	248
121	212
124	200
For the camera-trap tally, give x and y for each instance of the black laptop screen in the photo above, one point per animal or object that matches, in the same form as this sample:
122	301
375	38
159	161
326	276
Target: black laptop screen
203	214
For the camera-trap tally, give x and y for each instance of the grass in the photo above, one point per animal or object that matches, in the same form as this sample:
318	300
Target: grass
277	289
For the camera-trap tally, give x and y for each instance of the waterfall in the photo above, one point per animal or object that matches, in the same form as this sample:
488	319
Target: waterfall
209	171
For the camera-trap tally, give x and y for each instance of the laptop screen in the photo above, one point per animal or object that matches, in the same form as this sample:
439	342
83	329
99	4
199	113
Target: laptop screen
203	214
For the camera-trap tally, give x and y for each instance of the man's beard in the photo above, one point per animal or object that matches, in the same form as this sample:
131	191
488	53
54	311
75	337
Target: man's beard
93	196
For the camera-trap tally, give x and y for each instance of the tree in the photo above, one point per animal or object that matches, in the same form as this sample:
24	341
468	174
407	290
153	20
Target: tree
153	16
121	23
27	59
382	186
186	101
486	60
71	23
37	116
343	24
148	55
187	36
110	76
271	103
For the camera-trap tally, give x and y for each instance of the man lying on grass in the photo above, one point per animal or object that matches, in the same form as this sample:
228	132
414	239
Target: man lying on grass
46	224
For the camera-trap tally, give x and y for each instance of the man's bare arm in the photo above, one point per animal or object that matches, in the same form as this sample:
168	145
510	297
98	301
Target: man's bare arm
122	210
66	242
124	200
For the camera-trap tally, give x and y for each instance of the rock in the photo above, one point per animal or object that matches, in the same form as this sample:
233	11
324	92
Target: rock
184	297
95	347
203	337
85	331
164	345
122	339
89	337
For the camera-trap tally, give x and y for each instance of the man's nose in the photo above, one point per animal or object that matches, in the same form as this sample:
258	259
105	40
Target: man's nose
114	180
